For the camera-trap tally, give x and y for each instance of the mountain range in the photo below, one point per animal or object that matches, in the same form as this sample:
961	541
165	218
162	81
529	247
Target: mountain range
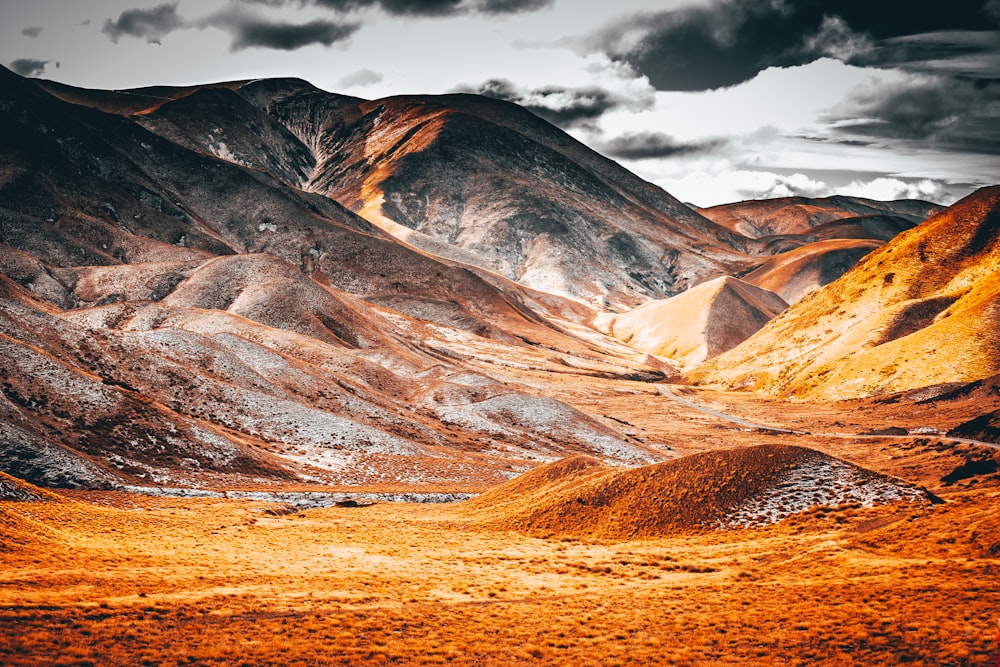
260	282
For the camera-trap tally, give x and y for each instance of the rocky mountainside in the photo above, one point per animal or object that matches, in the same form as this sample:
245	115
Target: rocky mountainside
921	310
172	315
259	281
463	177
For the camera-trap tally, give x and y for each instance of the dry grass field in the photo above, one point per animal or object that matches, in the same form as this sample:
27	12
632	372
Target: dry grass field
119	579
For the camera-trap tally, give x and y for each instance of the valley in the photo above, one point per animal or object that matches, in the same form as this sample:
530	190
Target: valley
116	579
291	377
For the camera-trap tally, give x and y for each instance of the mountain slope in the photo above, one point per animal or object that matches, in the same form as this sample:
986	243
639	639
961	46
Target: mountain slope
794	273
802	215
698	324
921	310
169	316
479	181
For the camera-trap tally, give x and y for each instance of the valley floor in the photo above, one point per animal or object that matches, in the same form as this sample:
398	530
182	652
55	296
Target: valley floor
120	579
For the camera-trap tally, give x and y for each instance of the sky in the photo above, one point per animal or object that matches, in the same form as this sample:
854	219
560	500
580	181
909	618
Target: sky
713	100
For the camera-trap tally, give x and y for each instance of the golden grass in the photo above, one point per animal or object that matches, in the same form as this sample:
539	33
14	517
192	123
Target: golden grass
139	580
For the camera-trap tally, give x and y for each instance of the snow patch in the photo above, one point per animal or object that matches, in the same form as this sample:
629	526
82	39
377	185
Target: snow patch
819	481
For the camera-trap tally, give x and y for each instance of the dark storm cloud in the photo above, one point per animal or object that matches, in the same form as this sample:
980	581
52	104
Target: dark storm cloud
32	31
565	107
251	30
962	53
652	145
152	24
511	6
946	112
29	66
250	33
421	7
729	41
397	7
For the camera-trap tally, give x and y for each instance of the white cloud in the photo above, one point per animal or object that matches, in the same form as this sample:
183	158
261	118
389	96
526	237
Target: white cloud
363	77
721	183
887	188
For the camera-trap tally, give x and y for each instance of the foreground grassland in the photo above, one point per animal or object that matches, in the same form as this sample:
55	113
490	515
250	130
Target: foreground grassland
114	579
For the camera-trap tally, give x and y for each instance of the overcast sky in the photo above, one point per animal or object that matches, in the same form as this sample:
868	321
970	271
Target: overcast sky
714	100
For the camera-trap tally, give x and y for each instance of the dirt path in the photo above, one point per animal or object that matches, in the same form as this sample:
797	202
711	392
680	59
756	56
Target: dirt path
667	392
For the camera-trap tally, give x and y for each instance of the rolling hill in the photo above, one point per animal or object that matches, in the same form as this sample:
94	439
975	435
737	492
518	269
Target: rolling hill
751	486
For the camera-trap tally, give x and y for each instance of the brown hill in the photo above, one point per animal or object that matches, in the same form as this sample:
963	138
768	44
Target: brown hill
919	311
730	488
264	143
793	274
698	324
828	217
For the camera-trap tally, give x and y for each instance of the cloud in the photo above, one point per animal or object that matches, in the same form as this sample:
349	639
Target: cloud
363	77
960	53
835	39
397	7
152	24
250	30
651	145
511	6
888	188
32	31
941	111
727	42
288	36
421	7
29	66
721	182
562	106
767	185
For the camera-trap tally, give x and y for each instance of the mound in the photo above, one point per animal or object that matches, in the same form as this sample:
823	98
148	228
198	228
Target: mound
754	486
793	274
699	324
921	310
537	486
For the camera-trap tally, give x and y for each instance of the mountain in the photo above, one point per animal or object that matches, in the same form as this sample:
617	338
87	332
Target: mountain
826	217
921	310
698	324
750	486
174	316
797	272
462	177
815	240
